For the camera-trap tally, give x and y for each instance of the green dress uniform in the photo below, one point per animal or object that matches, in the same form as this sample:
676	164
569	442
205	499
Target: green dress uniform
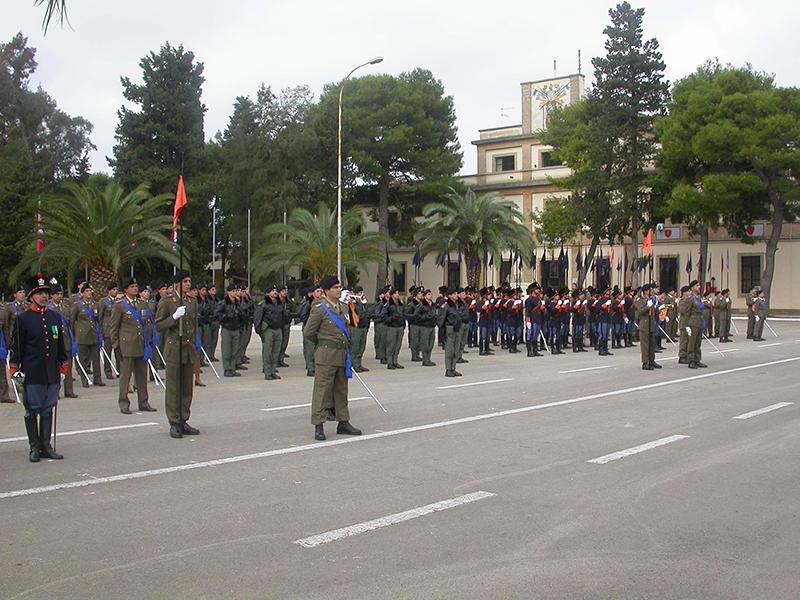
683	343
130	332
409	311
286	328
751	315
5	331
247	307
87	340
105	309
645	320
179	354
330	381
63	308
760	317
694	321
672	313
426	318
229	317
723	309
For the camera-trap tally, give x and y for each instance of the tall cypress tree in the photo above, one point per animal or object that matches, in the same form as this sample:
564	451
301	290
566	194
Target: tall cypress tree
631	91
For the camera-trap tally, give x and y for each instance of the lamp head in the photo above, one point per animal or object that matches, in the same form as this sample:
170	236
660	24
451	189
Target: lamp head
376	60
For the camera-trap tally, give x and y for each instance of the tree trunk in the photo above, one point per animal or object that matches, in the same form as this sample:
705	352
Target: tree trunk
100	276
778	214
474	274
588	261
383	227
703	257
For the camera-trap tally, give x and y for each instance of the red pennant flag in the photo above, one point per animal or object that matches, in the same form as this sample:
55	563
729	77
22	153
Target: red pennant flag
180	202
40	232
647	243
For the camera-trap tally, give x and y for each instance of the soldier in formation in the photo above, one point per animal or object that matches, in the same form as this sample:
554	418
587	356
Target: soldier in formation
38	360
328	329
176	321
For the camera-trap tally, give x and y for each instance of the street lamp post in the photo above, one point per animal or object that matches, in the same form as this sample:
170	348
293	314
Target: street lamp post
374	61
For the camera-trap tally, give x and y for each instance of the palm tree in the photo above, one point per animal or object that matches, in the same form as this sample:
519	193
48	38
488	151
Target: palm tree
310	243
105	229
53	8
474	227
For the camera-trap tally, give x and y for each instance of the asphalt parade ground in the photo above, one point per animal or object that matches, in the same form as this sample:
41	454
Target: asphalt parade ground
574	476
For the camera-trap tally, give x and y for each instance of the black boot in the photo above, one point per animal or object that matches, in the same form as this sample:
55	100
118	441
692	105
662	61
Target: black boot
529	348
32	428
483	351
605	344
45	429
319	433
345	428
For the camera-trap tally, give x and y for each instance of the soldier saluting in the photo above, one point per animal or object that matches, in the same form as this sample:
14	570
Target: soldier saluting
131	337
39	360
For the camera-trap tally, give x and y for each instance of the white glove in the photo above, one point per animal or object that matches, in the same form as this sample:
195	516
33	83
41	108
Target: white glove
649	304
689	330
585	302
62	376
179	312
758	318
607	303
666	319
622	302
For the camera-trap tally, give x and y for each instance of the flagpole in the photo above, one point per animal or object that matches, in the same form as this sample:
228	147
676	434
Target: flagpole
214	243
248	250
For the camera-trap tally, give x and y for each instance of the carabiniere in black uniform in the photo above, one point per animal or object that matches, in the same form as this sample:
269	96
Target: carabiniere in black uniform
38	358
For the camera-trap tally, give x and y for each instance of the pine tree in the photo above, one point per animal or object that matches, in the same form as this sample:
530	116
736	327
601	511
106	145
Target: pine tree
631	92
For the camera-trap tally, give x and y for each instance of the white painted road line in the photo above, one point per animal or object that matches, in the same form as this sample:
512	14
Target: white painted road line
586	369
770	345
601	460
82	431
761	411
378	435
408	515
306	405
460	385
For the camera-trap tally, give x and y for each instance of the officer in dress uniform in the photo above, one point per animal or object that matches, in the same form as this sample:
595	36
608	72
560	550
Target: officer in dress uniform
645	319
751	315
683	315
327	329
131	337
723	307
88	335
38	358
176	321
19	305
759	310
105	308
695	326
61	306
5	340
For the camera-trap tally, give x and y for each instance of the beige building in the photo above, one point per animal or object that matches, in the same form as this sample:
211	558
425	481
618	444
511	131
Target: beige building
512	161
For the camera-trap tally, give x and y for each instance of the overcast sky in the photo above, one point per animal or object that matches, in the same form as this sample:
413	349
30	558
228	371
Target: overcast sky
481	51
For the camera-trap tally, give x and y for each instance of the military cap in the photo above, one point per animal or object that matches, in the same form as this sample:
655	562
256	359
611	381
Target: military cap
128	282
202	286
443	289
179	276
37	283
693	283
358	289
55	288
725	291
685	289
269	288
112	285
85	286
328	282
